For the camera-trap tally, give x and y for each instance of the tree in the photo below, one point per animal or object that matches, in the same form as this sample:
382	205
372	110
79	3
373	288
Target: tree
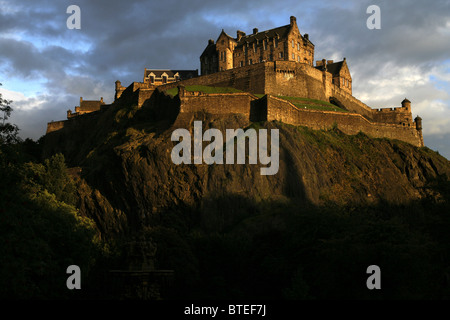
8	131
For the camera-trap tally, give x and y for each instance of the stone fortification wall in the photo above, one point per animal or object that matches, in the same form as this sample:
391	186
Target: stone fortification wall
349	123
350	102
55	125
398	115
288	78
249	78
217	103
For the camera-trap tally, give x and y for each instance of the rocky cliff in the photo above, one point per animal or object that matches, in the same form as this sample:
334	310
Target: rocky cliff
127	178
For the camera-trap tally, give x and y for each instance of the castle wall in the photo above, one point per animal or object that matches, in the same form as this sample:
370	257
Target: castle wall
249	78
393	115
349	123
288	78
217	103
143	95
350	102
55	125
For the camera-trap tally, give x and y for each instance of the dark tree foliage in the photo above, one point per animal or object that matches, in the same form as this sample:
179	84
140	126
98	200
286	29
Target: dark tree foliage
292	250
8	131
41	233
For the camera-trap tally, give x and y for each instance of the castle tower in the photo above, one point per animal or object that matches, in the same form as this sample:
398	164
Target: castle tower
225	48
406	104
119	90
418	121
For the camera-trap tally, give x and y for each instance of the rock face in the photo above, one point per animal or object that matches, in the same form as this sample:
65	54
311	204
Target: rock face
128	178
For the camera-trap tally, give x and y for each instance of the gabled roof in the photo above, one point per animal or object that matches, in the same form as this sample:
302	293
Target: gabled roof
209	50
282	32
184	74
333	68
226	34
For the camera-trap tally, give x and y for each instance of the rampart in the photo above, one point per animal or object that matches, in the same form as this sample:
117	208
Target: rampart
249	79
217	103
350	103
55	125
349	123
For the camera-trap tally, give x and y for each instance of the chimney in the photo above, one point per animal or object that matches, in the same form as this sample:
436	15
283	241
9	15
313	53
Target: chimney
306	36
240	35
293	20
81	100
101	100
210	42
329	61
255	30
324	64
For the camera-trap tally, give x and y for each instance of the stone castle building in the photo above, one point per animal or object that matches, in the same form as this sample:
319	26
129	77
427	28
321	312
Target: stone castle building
266	66
283	43
86	106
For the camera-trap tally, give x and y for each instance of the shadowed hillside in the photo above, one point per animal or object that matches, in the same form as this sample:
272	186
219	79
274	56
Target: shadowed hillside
338	204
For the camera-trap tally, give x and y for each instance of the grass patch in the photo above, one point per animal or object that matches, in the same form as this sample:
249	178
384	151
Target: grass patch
205	89
306	103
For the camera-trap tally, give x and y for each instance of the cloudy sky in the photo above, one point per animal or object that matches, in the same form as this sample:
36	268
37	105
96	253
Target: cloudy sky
45	67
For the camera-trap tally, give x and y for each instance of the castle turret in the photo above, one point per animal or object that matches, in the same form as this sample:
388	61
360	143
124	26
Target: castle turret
406	104
119	90
418	121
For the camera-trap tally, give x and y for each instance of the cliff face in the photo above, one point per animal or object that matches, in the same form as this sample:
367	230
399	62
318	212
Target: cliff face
127	178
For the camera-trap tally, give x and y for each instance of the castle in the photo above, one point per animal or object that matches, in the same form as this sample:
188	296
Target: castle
270	69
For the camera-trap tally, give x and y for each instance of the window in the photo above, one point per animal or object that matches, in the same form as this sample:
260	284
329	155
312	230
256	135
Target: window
254	47
280	55
260	59
293	44
298	58
164	79
293	56
241	64
250	61
152	79
298	45
265	44
276	42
